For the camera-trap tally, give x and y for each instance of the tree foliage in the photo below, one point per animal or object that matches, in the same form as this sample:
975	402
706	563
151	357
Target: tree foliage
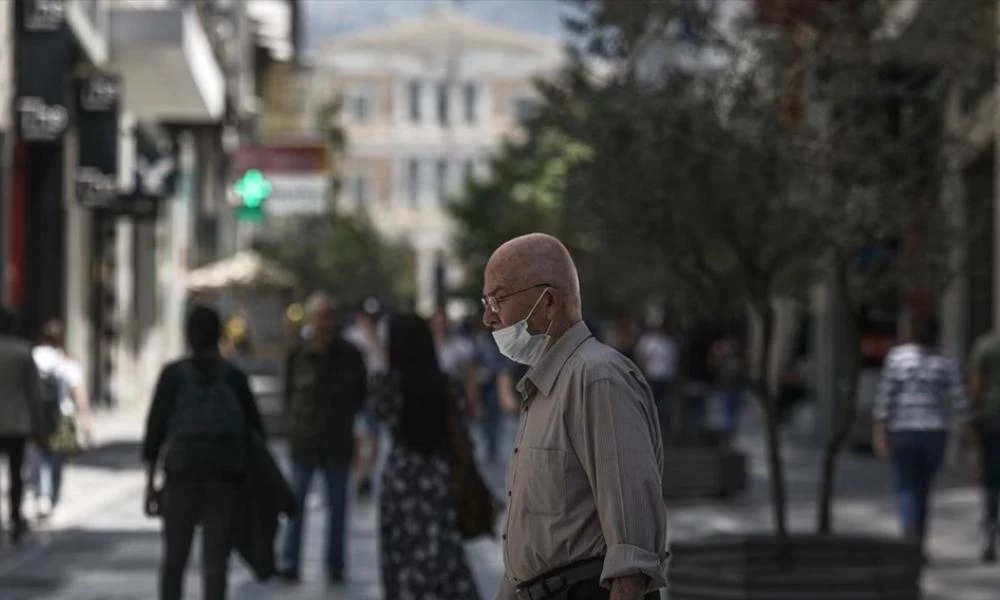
346	256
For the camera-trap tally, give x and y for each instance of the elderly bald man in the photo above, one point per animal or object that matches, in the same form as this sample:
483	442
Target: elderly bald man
586	519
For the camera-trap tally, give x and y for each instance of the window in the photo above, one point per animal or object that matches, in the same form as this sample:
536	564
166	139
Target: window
442	104
413	181
360	107
441	178
359	192
413	100
470	97
524	108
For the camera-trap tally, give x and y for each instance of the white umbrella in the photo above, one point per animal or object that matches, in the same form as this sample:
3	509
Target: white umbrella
246	270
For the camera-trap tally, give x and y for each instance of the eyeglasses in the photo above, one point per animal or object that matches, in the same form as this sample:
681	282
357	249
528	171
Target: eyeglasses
493	302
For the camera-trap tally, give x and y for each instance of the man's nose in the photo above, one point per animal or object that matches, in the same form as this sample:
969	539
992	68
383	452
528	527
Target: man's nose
489	318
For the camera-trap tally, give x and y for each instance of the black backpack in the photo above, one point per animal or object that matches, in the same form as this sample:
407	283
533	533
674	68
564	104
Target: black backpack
207	427
51	403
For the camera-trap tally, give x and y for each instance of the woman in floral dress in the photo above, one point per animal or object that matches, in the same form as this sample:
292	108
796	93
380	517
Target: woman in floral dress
421	545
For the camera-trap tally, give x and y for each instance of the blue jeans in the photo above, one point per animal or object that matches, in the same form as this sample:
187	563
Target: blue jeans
50	471
916	457
732	406
335	474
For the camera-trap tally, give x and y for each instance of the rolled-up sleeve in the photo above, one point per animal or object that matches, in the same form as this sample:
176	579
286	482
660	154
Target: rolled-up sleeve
613	437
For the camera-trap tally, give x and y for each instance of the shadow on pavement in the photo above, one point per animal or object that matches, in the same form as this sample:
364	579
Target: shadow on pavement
114	456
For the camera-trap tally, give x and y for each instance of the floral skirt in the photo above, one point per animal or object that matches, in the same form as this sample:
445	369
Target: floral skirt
421	545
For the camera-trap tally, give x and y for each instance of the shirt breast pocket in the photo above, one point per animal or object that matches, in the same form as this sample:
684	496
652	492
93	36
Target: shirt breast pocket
543	481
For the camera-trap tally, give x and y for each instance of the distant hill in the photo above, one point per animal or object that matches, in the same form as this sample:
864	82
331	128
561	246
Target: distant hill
323	19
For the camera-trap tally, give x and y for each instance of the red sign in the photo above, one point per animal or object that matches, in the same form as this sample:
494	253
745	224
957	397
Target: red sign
280	158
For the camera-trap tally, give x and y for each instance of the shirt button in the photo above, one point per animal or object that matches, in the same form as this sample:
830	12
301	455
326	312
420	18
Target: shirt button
515	450
504	537
509	493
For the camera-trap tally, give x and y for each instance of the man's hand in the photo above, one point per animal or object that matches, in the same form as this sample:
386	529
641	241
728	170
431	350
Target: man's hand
152	501
632	587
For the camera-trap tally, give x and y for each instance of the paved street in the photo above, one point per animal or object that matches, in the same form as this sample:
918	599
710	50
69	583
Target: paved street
101	547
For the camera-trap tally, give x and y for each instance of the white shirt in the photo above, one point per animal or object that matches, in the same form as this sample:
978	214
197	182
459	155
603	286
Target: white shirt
657	355
455	355
372	356
52	362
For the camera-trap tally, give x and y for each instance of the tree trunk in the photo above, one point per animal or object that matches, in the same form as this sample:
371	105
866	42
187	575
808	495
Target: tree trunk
845	404
765	312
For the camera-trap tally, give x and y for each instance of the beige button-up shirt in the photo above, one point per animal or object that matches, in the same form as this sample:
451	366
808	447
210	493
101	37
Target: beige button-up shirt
585	478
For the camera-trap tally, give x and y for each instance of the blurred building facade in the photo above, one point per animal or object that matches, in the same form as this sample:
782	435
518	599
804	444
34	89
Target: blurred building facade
424	105
113	186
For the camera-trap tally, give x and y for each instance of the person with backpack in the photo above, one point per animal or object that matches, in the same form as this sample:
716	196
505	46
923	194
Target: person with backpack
66	410
202	412
984	387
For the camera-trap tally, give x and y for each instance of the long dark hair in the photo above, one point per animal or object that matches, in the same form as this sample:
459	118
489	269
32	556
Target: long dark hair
424	388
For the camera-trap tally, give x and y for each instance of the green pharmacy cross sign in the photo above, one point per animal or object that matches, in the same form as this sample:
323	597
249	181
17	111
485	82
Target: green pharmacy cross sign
252	189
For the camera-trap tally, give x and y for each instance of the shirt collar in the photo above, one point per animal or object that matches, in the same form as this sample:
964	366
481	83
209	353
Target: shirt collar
543	375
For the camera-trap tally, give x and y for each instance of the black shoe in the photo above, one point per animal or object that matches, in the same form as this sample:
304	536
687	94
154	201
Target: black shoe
17	530
365	488
288	575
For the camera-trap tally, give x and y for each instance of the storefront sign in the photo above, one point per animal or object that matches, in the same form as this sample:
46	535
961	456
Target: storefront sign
97	100
44	53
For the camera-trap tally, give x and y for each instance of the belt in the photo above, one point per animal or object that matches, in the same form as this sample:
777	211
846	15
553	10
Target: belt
556	583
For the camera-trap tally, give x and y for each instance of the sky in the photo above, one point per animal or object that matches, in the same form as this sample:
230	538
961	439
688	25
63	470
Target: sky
323	19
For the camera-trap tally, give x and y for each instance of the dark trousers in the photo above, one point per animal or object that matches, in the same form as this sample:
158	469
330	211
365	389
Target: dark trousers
990	465
592	590
13	447
916	457
335	474
187	504
491	420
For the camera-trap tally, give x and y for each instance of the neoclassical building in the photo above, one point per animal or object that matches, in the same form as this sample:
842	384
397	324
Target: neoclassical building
425	103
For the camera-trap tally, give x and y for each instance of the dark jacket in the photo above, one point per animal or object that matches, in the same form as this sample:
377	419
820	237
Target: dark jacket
20	390
265	496
323	393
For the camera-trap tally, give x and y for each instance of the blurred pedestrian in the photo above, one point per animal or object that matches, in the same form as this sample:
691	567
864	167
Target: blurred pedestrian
920	393
69	406
488	364
325	386
586	518
422	555
730	368
984	387
363	333
456	356
656	352
20	413
201	412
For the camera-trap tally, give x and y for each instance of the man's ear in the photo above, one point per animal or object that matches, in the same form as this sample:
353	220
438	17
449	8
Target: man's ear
553	303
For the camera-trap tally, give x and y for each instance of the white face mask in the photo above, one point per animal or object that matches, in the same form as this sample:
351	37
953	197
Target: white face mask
517	344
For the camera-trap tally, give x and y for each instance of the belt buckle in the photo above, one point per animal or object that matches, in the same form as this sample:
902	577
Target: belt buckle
547	589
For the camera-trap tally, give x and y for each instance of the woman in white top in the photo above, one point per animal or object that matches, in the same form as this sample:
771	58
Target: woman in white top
65	378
